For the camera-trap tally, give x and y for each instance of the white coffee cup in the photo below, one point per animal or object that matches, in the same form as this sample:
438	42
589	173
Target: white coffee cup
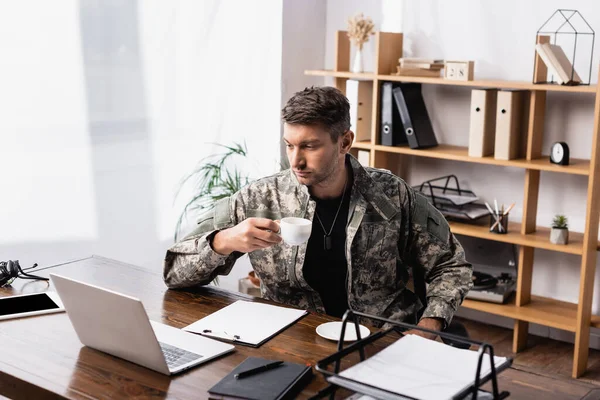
295	231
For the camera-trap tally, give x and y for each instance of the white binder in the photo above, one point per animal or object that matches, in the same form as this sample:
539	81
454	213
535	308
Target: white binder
364	157
360	96
483	122
508	124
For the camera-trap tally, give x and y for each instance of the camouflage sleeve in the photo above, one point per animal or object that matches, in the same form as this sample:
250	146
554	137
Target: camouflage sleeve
435	249
192	261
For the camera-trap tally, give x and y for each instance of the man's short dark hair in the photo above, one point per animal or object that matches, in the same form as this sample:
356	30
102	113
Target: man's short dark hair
325	106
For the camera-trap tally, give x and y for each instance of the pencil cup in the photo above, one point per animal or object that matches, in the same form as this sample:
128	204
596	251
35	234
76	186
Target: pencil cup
499	223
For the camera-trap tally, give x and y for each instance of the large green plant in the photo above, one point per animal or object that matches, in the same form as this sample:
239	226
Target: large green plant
214	178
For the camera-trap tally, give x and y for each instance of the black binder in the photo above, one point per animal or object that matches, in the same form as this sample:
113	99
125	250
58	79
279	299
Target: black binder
391	132
415	119
283	382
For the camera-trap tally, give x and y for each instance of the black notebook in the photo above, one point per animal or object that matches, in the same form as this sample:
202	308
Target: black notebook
283	382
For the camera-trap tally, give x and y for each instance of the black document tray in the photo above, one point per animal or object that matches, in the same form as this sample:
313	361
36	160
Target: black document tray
453	202
334	361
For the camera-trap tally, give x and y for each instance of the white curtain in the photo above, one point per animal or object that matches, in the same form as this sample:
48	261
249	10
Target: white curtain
107	104
221	66
221	63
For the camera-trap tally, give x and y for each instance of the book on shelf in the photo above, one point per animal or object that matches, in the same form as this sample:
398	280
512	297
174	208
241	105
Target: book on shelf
557	62
430	73
421	65
408	60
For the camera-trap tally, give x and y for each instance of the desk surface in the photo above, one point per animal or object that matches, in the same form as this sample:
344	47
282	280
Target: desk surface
43	358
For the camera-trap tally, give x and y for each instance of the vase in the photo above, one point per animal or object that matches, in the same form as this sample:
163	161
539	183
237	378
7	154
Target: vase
559	235
357	64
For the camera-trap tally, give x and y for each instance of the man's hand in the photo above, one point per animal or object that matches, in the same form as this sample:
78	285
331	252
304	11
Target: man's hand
435	324
249	235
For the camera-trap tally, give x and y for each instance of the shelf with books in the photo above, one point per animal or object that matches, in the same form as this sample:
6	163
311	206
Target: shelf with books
460	153
524	308
499	84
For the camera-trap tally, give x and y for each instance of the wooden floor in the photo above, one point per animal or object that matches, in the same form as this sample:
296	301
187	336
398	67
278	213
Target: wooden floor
550	360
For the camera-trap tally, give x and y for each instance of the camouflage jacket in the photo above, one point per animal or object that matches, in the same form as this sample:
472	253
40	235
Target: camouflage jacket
390	230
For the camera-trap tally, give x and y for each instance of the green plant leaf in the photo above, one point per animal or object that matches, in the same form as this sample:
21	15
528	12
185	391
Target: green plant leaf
212	180
560	222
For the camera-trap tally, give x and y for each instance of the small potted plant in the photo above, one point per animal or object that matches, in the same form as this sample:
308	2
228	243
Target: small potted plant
560	230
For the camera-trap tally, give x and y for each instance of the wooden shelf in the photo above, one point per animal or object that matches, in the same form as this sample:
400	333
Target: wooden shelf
341	74
539	239
362	145
460	153
500	84
541	310
493	83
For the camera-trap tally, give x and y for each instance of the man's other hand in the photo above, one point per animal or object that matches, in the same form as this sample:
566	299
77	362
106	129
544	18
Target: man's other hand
434	324
249	235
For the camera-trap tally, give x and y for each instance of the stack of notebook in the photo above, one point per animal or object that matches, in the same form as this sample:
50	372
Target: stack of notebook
420	67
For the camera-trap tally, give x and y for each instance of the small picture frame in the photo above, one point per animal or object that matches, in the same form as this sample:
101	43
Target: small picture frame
459	70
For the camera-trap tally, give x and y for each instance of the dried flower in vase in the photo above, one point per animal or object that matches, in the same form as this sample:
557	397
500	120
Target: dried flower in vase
359	29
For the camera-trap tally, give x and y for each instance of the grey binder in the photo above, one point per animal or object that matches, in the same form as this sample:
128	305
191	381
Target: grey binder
391	130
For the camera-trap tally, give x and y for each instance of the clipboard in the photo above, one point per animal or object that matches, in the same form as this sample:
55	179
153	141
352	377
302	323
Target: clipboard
246	323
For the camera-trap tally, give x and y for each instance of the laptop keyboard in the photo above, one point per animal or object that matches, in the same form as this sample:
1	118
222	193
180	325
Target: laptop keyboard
176	357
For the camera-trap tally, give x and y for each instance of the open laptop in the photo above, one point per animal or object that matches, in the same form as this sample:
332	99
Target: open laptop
117	324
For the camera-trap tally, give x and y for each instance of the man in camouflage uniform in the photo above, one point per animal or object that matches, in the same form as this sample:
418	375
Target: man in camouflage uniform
369	229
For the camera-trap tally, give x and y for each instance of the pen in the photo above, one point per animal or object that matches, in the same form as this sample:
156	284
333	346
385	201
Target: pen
252	371
234	337
496	206
495	225
489	208
509	208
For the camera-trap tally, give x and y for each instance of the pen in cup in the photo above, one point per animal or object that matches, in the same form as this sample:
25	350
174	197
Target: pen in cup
499	223
495	215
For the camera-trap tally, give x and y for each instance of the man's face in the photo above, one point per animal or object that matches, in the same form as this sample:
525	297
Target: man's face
313	157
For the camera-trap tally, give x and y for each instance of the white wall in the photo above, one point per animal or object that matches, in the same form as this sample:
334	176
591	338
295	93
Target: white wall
500	37
107	105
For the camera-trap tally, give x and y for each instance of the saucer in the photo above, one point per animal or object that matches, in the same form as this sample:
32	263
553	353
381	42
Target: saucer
333	330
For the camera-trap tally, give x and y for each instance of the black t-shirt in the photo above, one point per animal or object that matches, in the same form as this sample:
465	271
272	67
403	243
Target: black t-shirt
326	270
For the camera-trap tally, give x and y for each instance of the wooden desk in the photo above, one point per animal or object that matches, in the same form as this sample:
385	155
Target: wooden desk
41	357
